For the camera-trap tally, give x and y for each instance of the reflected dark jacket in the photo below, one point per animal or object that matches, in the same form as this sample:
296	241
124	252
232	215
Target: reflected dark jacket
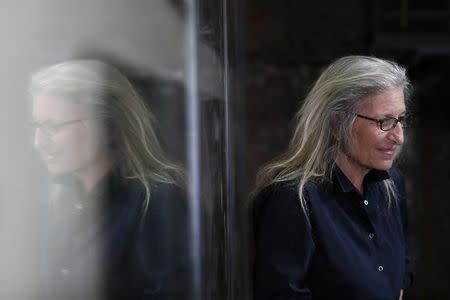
102	246
355	246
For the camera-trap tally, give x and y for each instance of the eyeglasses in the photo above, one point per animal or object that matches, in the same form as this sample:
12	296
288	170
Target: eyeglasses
389	123
50	128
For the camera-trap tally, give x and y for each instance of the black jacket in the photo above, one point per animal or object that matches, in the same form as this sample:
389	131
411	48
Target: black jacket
102	246
353	246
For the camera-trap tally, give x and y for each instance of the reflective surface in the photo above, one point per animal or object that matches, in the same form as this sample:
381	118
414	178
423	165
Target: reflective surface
85	215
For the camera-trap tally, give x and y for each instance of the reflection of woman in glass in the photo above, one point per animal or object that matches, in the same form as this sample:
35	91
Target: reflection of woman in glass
116	214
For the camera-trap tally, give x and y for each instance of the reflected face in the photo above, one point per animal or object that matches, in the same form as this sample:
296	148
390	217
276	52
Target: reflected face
370	147
65	136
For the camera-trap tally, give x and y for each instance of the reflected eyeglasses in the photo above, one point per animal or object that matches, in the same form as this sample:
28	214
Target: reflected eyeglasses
50	128
388	123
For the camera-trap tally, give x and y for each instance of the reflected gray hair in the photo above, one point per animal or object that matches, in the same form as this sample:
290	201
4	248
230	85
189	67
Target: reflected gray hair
324	122
129	123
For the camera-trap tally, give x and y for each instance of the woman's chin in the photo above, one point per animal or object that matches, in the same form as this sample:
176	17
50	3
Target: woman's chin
384	165
57	169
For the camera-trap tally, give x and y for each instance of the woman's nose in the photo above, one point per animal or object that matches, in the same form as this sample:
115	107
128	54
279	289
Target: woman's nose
40	139
397	134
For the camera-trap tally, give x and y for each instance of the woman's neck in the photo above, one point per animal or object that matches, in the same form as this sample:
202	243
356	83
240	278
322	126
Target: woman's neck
91	175
352	170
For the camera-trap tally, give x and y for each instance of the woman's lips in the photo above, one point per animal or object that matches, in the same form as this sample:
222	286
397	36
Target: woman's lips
388	151
49	157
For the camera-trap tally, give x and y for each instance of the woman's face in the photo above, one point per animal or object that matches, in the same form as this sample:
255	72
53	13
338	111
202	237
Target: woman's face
66	136
370	147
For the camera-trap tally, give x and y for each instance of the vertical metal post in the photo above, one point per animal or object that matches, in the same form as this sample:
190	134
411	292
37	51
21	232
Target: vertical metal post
193	144
229	184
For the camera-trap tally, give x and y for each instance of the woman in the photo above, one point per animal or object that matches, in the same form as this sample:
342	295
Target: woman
329	215
116	215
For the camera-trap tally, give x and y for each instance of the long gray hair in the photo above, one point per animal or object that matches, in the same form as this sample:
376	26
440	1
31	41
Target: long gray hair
318	135
115	101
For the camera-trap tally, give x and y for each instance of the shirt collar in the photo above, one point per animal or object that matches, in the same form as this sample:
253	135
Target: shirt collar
100	195
346	185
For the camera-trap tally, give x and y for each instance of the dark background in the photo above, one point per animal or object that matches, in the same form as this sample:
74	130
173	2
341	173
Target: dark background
286	44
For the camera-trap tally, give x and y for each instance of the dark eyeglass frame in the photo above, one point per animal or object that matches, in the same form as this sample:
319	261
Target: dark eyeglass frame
50	128
381	122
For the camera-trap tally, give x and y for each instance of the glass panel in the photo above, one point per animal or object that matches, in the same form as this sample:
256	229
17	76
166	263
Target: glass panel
114	170
123	167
